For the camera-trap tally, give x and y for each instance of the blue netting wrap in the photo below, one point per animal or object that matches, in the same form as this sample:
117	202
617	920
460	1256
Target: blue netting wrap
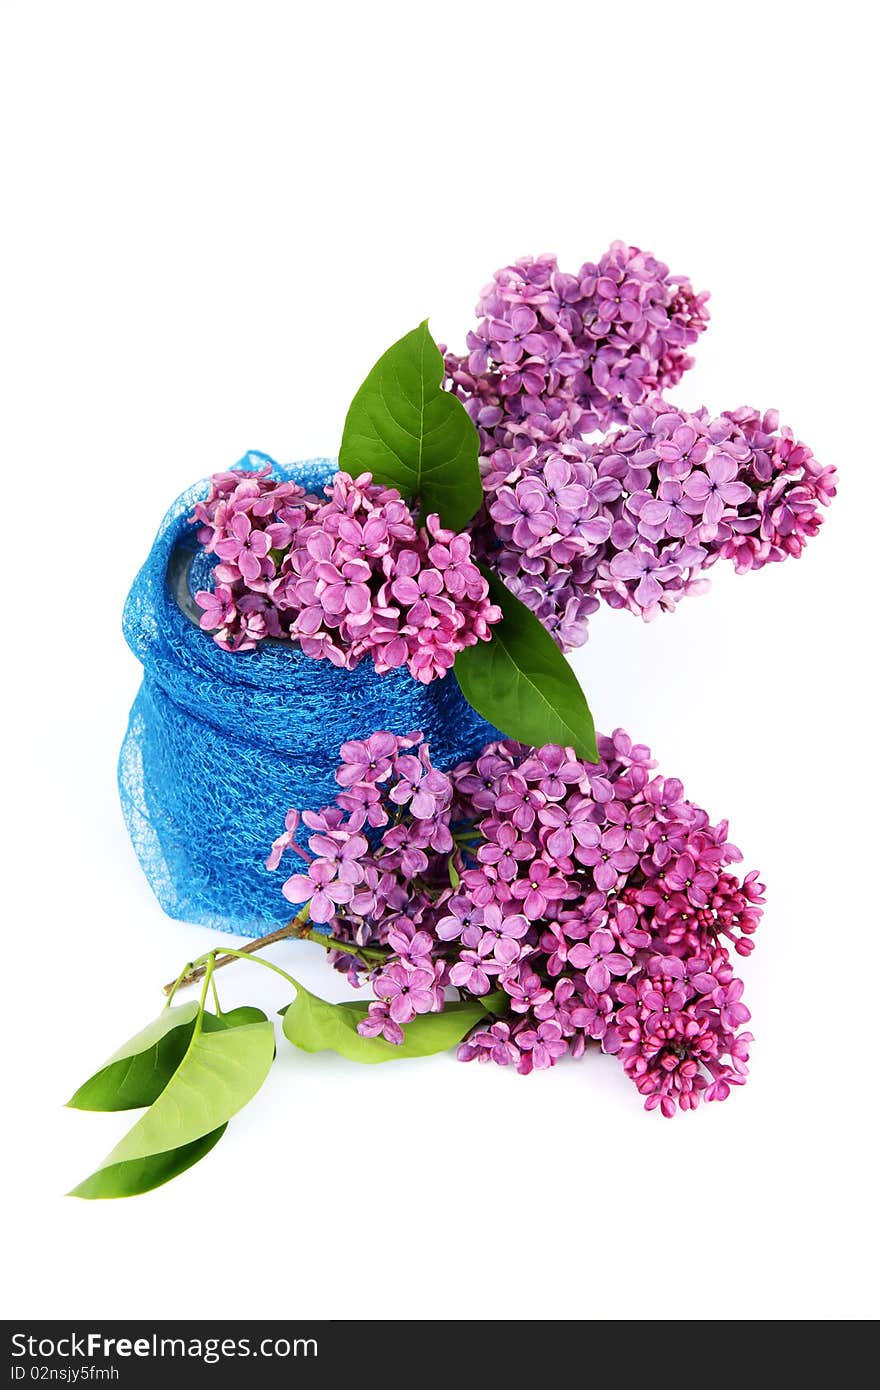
221	744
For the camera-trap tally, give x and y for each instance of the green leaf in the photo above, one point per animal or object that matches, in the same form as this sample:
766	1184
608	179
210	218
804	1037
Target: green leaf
521	682
314	1025
220	1073
141	1069
222	1069
408	432
143	1174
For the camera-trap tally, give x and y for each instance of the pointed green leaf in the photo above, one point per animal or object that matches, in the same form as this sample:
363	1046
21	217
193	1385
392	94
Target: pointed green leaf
521	682
220	1073
314	1025
143	1174
222	1069
141	1069
408	432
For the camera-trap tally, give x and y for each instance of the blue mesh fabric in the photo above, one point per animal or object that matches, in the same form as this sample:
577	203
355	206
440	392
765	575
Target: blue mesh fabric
220	744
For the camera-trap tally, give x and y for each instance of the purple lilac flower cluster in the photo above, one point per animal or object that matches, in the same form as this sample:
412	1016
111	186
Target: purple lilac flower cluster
588	903
557	355
636	519
345	576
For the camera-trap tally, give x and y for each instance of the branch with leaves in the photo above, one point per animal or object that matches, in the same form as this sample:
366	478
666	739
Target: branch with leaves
567	904
194	1069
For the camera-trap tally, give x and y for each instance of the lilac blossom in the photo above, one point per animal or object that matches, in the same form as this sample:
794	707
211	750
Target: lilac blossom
636	519
557	354
586	906
346	576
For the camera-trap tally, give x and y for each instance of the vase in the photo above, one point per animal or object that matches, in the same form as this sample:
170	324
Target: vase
220	745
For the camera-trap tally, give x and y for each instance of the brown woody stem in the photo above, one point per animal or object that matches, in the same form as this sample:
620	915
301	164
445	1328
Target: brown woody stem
297	927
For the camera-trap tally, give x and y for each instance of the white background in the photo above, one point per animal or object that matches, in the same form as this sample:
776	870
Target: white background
215	217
